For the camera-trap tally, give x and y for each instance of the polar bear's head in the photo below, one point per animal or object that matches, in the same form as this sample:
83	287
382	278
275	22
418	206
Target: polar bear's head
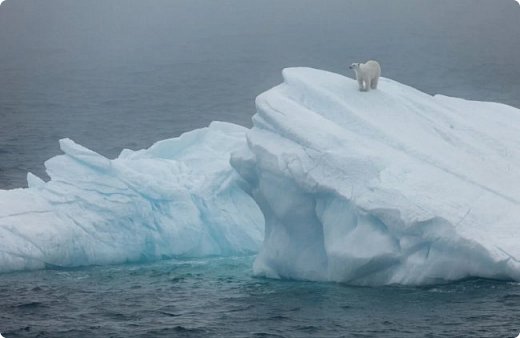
354	66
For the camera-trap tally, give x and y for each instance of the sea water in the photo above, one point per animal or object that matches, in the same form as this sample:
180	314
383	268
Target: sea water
124	74
220	297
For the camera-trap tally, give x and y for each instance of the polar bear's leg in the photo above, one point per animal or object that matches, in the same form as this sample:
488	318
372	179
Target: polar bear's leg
366	84
373	83
369	84
360	83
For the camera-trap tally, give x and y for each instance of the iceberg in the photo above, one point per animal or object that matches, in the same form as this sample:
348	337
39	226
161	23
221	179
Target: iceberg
178	198
391	186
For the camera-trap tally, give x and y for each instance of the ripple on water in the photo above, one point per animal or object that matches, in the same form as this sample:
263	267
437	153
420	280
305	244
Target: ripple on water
220	297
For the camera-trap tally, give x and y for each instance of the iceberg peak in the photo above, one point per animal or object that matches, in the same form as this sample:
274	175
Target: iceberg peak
381	187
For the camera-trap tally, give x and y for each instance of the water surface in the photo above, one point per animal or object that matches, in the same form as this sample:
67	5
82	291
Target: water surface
220	297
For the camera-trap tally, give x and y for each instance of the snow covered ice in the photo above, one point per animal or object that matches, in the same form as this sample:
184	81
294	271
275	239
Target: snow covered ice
390	186
178	198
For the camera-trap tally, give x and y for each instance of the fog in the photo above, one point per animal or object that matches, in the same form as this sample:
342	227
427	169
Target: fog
112	74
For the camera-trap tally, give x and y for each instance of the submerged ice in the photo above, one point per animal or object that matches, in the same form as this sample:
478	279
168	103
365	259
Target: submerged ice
178	198
392	186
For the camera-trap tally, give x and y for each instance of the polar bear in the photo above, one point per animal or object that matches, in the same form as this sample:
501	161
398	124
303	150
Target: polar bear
367	74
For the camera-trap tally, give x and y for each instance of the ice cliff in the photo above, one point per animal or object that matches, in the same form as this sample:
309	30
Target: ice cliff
389	186
180	197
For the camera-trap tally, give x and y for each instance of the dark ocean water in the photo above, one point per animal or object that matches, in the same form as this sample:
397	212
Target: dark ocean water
114	74
219	297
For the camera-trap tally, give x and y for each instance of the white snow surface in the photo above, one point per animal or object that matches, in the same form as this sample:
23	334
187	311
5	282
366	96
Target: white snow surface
391	186
178	198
